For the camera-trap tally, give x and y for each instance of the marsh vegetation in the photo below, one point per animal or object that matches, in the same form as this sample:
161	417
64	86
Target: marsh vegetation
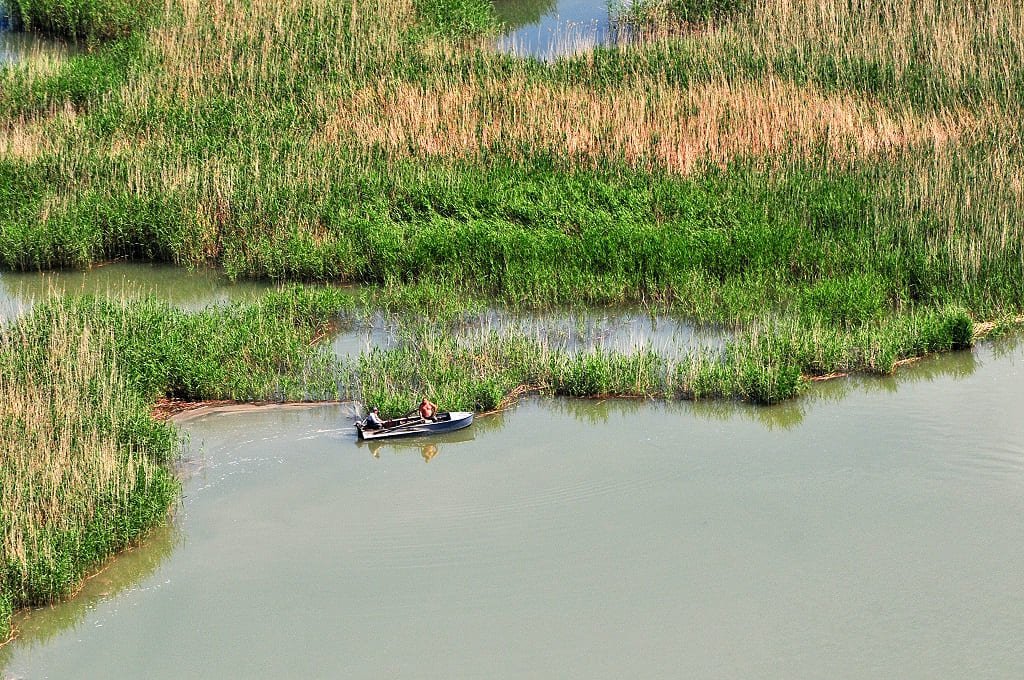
836	183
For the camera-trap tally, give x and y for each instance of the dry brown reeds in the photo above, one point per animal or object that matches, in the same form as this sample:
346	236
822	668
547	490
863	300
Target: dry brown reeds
654	125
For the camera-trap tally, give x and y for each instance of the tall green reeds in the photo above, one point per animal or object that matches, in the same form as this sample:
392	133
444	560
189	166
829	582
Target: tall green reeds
85	470
341	142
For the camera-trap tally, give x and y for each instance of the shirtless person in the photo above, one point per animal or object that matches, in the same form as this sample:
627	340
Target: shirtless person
428	409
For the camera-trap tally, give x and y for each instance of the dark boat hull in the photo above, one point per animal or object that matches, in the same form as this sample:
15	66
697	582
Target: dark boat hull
446	422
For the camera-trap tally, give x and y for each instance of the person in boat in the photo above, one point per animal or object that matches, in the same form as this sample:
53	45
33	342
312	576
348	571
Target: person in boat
373	421
428	409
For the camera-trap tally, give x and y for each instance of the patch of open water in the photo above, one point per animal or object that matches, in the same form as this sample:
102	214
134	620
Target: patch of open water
180	287
17	46
548	29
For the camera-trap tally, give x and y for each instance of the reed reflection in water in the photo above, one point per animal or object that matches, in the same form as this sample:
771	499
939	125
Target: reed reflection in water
551	29
131	577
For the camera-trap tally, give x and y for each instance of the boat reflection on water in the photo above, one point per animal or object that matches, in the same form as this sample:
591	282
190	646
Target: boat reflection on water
427	447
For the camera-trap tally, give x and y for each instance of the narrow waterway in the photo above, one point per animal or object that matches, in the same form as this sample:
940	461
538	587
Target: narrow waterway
178	286
623	329
872	529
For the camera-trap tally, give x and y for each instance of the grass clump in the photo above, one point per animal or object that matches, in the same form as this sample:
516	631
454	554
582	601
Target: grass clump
766	362
455	18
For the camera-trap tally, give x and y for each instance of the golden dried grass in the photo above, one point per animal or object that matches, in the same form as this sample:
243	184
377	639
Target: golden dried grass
22	140
961	40
656	124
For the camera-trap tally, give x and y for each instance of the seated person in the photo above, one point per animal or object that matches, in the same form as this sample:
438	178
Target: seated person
428	409
373	421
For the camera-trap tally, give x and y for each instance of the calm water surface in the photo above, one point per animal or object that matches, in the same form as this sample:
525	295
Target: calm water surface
548	29
180	287
871	530
16	46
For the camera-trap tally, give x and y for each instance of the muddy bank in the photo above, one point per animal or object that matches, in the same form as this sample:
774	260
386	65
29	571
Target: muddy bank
179	411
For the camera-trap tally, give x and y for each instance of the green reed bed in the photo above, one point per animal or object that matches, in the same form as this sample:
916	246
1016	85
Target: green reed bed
206	149
85	470
718	247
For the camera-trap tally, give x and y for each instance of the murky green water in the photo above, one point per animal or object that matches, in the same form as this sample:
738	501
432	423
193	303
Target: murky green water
181	287
871	530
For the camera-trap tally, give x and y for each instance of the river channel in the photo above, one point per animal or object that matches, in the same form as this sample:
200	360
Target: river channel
872	529
185	289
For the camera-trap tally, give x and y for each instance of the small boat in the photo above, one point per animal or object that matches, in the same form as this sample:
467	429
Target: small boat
412	425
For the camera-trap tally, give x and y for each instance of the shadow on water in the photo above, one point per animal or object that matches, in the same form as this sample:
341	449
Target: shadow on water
120	575
1004	346
594	412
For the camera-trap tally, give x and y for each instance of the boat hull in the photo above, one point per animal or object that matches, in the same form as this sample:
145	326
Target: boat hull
456	420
